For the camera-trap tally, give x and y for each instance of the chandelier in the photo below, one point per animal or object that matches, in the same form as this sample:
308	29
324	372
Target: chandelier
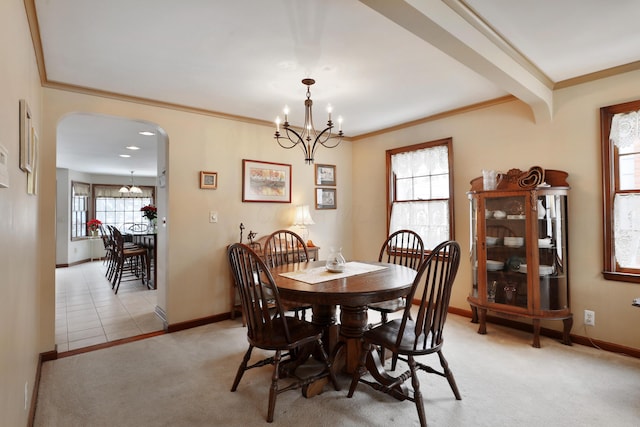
308	139
131	189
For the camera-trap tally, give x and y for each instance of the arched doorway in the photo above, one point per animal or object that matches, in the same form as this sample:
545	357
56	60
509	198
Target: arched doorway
93	149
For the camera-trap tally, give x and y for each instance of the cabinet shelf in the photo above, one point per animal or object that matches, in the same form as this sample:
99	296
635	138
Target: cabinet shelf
531	214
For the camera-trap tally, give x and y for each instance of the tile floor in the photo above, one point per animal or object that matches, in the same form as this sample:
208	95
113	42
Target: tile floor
89	313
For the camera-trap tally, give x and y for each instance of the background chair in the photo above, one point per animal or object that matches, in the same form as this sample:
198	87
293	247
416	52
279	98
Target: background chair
132	262
286	247
268	328
404	247
409	338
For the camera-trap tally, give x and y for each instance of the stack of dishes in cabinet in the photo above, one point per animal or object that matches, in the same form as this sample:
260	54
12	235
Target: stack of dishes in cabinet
543	270
544	243
513	242
516	216
494	265
492	241
499	214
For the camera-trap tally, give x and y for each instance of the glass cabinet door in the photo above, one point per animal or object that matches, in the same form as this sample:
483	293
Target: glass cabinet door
473	241
552	248
506	250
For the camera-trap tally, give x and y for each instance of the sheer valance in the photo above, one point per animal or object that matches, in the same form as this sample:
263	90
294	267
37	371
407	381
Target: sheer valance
625	129
111	191
427	161
81	189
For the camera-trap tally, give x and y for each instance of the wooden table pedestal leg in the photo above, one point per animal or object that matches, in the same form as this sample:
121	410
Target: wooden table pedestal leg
353	322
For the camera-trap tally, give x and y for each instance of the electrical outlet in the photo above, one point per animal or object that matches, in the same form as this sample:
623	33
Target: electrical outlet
590	318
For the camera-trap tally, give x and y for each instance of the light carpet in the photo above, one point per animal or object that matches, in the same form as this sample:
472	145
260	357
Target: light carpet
184	378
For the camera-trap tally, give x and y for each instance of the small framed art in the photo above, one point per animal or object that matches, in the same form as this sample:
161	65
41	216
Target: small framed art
325	198
266	182
26	157
208	180
326	175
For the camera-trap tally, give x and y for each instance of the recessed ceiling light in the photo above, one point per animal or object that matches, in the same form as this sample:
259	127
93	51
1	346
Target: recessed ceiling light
125	155
132	147
146	133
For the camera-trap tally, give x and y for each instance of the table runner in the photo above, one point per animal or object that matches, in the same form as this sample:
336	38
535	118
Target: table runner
320	274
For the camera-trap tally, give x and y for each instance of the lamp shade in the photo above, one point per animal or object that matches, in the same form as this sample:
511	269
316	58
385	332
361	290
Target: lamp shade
303	217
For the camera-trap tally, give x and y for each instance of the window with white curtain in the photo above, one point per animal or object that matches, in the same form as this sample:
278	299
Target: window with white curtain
621	185
120	209
420	189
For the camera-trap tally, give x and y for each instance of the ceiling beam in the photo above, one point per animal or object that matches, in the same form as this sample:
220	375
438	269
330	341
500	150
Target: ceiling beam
462	35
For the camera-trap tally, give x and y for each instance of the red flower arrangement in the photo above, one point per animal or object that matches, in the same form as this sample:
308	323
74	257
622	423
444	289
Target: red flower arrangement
94	224
150	212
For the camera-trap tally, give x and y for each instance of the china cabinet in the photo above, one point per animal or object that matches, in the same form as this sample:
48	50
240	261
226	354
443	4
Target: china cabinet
519	257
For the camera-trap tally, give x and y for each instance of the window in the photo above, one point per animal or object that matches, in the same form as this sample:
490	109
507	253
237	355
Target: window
118	209
80	192
620	136
420	190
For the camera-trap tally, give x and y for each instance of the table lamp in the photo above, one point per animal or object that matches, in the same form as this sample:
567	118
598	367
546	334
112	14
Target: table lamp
302	219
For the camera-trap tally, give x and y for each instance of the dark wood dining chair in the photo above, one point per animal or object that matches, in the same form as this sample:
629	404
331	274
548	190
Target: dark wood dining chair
131	262
286	247
409	338
403	247
269	329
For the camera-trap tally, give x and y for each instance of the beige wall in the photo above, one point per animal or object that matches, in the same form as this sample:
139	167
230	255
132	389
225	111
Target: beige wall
20	342
504	137
196	284
197	278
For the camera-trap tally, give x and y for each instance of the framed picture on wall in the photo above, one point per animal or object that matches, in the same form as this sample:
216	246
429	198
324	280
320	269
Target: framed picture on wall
326	175
4	167
266	182
208	180
26	157
32	177
325	198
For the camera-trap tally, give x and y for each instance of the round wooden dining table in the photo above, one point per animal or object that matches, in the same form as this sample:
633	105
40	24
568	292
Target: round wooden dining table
352	294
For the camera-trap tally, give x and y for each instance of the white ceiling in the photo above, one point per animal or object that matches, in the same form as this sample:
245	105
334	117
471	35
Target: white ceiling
380	63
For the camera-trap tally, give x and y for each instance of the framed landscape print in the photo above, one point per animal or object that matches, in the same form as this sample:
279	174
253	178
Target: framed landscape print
325	198
326	175
208	180
266	182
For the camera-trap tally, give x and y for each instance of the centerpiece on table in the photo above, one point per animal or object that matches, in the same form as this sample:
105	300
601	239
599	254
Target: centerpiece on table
93	226
151	213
